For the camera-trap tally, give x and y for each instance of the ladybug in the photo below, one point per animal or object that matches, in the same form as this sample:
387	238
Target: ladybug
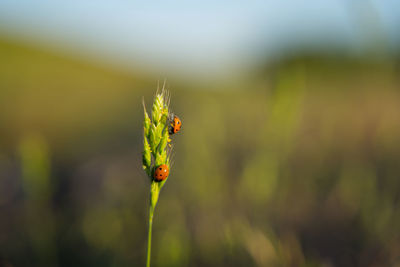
161	173
175	124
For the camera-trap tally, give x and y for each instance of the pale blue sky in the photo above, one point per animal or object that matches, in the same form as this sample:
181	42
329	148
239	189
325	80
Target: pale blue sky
203	36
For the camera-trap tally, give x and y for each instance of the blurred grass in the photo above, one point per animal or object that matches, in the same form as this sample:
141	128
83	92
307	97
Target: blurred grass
295	166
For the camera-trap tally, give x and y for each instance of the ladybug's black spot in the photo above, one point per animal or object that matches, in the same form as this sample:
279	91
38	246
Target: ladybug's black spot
160	168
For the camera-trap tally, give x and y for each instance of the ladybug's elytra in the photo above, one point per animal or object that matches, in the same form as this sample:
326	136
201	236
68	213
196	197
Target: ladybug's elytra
161	173
175	124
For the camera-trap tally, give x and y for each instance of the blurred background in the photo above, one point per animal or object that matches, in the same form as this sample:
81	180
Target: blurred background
289	153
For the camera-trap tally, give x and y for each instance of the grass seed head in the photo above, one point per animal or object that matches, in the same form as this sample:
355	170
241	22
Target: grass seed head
156	151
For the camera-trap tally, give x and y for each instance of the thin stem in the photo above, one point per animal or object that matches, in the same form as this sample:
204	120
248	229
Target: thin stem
151	212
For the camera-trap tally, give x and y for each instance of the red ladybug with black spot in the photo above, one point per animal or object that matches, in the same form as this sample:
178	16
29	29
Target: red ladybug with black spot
175	124
161	173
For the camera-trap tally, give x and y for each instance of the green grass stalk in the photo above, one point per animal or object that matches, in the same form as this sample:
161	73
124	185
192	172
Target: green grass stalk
155	152
151	212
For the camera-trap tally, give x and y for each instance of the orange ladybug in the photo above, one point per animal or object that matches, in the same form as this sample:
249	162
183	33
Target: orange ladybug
161	173
175	125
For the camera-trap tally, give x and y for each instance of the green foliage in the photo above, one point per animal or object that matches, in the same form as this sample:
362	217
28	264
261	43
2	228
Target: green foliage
298	167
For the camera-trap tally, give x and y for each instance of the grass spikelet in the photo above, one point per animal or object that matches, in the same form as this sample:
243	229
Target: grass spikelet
156	151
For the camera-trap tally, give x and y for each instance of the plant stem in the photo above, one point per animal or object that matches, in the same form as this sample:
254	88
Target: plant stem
151	212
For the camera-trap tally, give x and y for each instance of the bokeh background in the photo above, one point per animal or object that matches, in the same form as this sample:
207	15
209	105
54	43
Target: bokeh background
289	153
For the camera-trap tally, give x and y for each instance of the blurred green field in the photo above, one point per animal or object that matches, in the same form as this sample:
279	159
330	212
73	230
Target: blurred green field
295	165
